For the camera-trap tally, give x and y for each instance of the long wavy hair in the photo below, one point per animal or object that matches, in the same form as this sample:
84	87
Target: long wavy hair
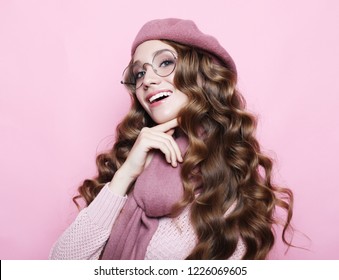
223	155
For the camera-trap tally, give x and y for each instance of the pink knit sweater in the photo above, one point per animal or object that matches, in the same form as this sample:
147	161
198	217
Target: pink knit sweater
86	236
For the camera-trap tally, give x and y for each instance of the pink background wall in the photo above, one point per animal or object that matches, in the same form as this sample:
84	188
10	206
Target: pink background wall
60	100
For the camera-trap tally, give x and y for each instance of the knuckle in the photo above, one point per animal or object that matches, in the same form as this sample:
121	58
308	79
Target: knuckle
164	146
168	142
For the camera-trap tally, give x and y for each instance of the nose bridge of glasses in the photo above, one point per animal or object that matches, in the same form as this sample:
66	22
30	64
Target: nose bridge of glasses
151	65
149	76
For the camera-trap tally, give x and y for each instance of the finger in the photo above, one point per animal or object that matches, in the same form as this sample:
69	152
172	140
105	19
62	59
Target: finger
167	145
172	142
164	127
168	128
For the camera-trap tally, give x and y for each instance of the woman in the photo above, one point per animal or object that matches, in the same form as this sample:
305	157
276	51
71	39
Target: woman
185	178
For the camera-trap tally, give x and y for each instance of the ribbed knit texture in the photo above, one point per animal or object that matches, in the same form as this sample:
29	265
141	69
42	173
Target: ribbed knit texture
174	238
87	235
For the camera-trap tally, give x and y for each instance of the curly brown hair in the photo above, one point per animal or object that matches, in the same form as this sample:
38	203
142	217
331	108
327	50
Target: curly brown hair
227	160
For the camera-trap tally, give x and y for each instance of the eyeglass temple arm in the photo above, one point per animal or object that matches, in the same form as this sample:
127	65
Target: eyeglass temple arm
126	83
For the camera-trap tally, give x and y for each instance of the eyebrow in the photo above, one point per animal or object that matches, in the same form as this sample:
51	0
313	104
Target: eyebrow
155	53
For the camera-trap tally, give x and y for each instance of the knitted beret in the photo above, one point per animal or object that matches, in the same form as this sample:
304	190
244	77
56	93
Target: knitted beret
185	32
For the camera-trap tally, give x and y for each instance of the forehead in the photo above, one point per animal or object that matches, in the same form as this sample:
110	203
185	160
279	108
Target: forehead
146	50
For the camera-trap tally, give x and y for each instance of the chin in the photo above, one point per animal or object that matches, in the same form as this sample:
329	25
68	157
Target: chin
163	119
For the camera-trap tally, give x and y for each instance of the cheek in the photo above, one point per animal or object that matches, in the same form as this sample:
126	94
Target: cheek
138	95
141	101
182	98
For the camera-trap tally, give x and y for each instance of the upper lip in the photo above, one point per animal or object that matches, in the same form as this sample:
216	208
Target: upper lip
148	96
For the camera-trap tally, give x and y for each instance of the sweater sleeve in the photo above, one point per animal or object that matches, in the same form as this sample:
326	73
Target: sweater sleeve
87	235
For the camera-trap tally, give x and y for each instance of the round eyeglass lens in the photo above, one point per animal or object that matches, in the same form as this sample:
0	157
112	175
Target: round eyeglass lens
163	64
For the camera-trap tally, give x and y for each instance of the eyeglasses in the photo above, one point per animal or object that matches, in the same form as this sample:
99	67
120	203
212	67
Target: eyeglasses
163	64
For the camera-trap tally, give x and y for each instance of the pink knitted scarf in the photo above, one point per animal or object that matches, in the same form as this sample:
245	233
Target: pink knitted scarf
155	191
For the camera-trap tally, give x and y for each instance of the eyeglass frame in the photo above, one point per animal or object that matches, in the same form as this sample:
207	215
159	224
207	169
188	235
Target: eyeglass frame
153	68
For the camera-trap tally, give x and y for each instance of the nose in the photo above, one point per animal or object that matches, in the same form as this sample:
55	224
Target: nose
150	77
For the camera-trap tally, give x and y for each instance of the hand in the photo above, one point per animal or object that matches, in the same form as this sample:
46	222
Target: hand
158	137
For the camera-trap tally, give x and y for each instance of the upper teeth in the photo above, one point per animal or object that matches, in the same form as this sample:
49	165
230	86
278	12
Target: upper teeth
158	95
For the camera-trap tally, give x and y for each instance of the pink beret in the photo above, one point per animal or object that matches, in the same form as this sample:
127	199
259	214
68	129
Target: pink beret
184	32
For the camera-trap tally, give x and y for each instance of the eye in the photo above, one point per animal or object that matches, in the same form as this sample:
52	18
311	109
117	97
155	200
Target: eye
139	75
166	63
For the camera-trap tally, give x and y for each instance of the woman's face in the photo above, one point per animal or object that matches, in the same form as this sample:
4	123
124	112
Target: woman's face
157	94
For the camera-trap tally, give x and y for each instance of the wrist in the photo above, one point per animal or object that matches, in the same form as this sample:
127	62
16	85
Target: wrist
120	182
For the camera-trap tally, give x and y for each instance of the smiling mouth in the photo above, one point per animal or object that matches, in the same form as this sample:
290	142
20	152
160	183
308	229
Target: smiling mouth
158	97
